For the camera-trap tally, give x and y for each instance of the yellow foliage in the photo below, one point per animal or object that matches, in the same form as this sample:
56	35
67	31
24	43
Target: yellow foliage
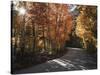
85	24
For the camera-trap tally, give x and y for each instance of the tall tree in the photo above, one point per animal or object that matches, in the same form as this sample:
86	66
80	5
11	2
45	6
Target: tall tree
86	28
46	26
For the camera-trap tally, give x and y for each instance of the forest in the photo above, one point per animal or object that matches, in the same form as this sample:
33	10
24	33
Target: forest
43	31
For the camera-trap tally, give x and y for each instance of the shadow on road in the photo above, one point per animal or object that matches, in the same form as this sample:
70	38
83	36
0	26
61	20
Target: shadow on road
71	59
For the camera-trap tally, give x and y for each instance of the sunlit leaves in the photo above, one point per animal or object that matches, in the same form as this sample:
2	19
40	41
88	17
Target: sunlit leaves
60	23
86	25
45	26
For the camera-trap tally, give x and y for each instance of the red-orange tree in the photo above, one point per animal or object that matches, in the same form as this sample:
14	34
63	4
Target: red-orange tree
46	26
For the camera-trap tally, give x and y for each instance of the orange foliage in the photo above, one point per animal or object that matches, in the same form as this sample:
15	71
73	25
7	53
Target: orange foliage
47	21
